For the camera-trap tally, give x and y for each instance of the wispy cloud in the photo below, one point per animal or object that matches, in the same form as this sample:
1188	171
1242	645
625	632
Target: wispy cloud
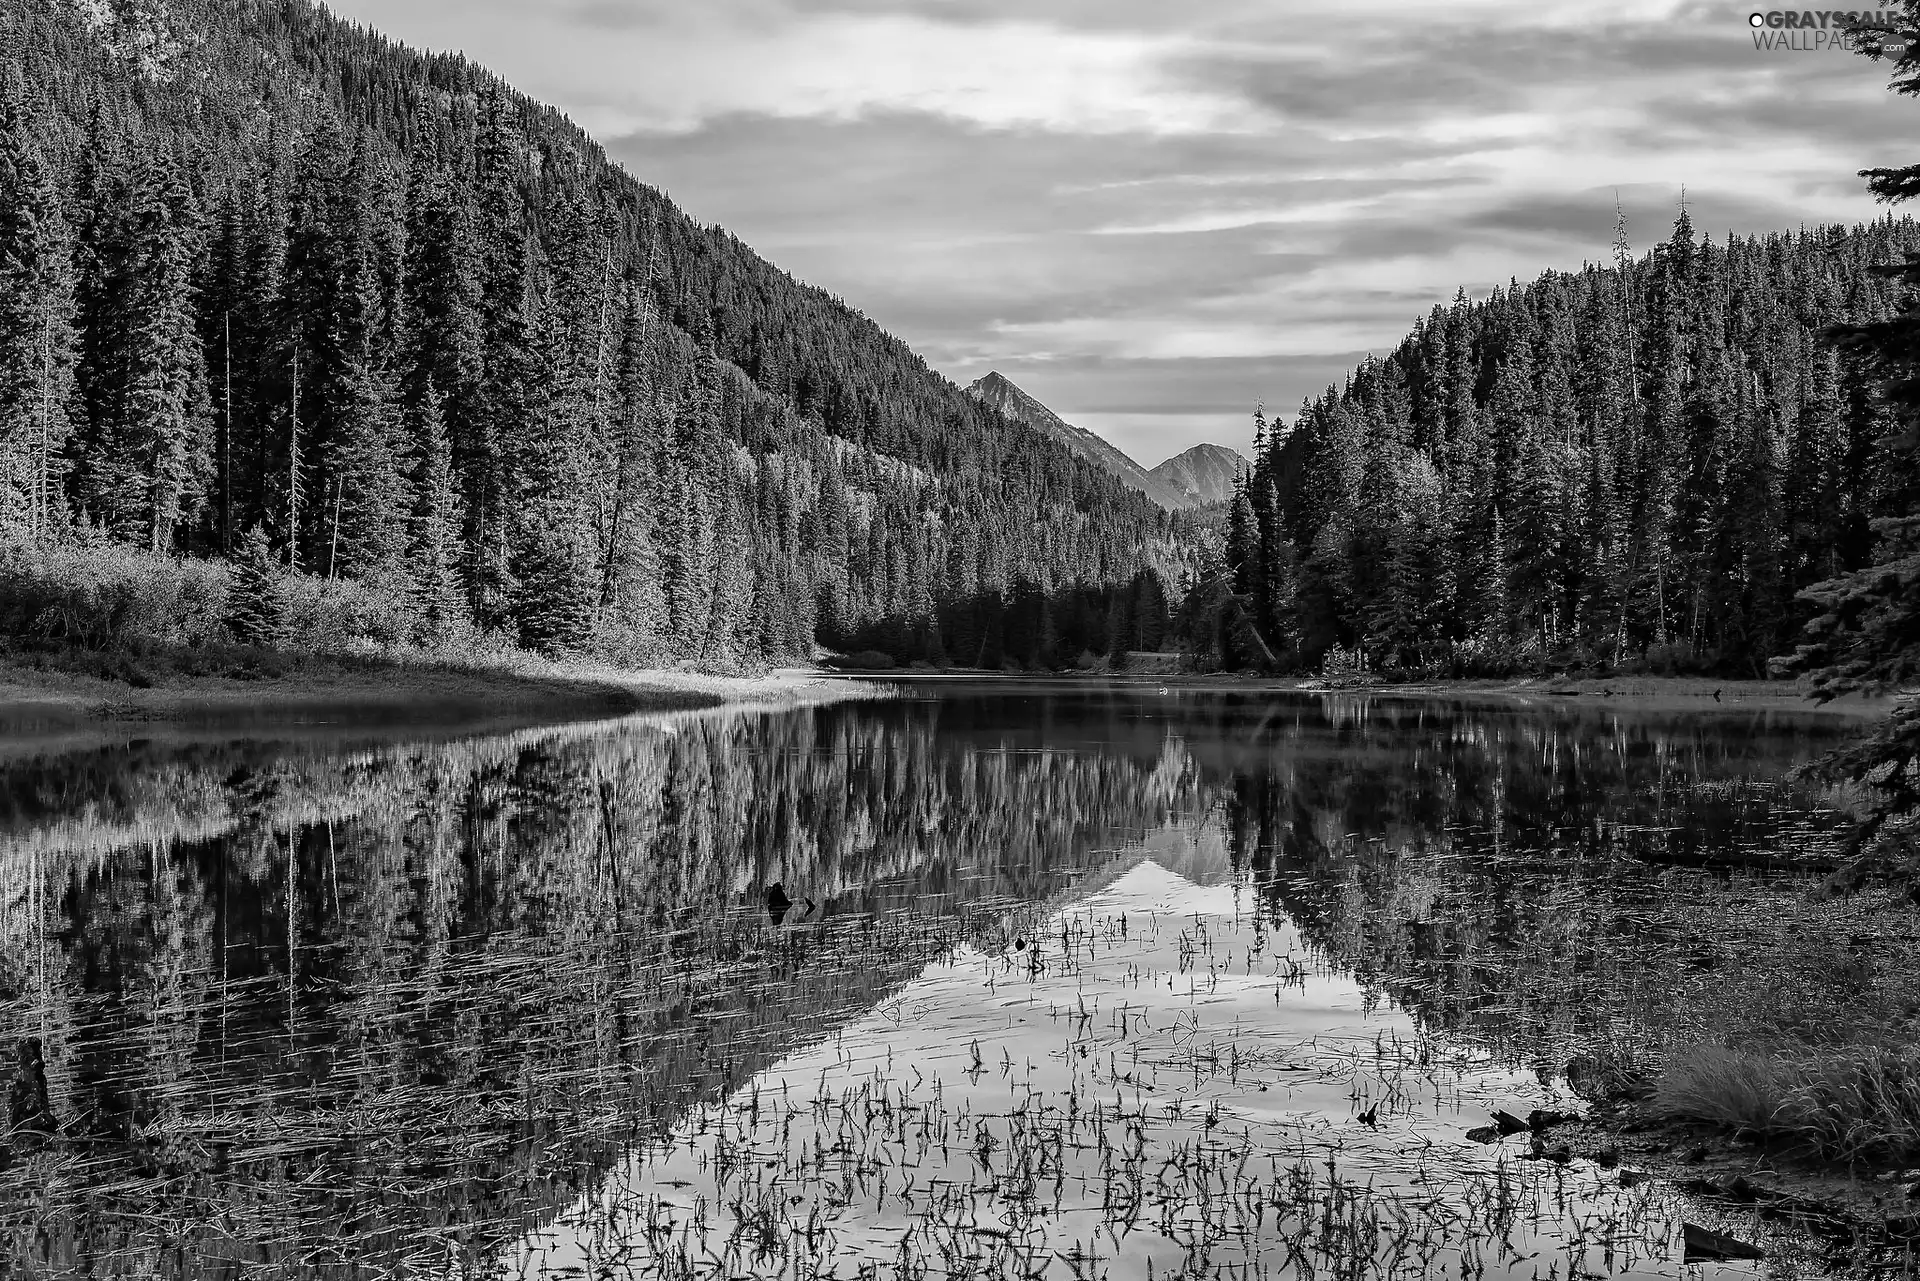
1201	205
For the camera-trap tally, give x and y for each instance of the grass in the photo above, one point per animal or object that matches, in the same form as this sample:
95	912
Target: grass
1860	1105
1798	1025
1711	1083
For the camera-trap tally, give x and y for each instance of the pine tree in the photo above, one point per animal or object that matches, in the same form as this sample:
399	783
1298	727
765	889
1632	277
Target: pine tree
36	330
147	447
339	311
509	357
256	609
690	496
629	597
1866	635
433	530
551	591
446	341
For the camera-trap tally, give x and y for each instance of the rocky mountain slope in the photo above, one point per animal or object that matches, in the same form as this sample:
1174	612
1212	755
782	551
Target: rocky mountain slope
1204	474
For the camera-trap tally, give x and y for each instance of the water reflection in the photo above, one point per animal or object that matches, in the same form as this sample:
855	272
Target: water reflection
393	1006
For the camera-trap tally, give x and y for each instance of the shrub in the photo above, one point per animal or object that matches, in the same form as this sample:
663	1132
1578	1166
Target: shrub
344	615
869	660
102	596
257	607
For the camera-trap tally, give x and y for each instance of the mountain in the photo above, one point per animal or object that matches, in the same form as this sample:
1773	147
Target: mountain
1000	392
281	291
1204	475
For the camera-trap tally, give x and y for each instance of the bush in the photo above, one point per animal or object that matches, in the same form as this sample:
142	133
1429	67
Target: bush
344	615
871	660
104	596
1671	659
1346	668
101	596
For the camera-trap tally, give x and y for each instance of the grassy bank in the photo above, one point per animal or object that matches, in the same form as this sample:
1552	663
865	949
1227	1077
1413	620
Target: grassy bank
94	634
73	697
1800	1029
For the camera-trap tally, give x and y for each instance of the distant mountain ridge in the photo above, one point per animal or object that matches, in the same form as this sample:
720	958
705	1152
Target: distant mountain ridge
1191	480
999	391
1205	474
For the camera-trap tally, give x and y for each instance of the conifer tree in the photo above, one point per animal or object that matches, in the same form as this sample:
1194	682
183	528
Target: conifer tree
1866	635
551	589
446	342
256	609
509	359
36	333
433	529
146	446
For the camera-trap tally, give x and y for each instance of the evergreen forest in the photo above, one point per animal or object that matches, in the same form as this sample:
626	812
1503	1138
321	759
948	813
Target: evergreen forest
1640	462
309	339
306	333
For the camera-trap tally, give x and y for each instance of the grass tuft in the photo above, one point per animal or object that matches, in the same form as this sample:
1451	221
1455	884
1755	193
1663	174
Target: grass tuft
1722	1087
1856	1105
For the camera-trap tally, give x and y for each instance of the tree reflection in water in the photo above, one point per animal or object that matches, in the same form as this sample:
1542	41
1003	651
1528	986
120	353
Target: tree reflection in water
347	1009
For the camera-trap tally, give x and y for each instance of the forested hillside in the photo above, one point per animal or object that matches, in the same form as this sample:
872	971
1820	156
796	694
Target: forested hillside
276	290
1640	462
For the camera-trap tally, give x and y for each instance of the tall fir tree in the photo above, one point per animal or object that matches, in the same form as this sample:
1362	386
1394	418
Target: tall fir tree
36	329
433	526
146	447
1866	635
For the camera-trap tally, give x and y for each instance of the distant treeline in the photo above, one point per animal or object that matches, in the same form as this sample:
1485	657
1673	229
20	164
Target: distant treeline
1635	463
275	290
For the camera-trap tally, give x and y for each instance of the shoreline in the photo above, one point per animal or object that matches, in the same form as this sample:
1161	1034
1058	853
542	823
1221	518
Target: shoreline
315	696
1638	693
320	696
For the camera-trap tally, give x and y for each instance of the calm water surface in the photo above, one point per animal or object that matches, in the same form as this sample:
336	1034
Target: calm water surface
1076	981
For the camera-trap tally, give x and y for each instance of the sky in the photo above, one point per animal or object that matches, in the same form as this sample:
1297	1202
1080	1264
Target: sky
1155	215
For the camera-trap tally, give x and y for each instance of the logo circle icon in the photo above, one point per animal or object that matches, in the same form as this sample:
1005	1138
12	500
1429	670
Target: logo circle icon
1756	20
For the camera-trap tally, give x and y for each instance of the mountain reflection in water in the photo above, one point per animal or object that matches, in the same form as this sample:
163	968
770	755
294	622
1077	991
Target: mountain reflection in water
460	1006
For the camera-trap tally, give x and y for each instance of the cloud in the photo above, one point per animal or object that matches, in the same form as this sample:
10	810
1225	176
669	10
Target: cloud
624	67
1152	215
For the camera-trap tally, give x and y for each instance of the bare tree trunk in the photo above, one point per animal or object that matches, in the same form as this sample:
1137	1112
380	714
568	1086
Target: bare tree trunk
226	445
293	473
41	502
333	543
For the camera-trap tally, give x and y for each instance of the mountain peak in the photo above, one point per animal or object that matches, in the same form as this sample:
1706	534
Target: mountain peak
1001	392
1203	475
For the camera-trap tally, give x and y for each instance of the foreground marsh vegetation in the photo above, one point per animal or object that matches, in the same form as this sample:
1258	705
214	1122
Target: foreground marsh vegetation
1079	983
1176	1088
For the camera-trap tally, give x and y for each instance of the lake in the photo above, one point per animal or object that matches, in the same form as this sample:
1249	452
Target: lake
988	979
